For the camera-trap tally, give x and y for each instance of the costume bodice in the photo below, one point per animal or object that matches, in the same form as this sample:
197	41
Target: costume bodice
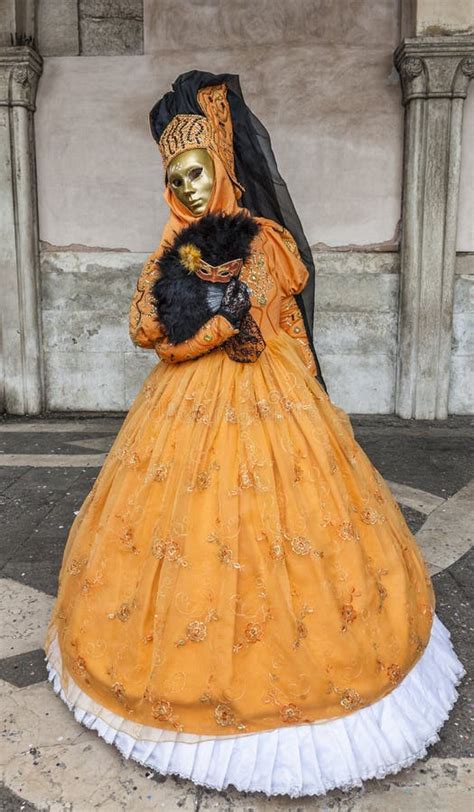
274	273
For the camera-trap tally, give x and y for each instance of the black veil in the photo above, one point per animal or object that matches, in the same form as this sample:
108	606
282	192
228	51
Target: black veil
266	193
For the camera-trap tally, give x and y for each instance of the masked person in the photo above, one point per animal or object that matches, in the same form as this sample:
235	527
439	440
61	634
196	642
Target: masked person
241	601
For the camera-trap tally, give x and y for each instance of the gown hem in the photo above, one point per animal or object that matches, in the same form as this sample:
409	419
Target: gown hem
311	759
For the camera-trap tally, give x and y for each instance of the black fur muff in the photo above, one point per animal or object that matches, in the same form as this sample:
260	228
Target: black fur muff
179	294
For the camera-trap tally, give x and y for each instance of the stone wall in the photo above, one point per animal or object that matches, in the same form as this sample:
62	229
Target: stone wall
320	75
461	393
89	27
330	98
91	364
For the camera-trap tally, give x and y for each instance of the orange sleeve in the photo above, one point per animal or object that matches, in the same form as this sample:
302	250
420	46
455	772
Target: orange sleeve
292	322
144	328
213	333
292	275
290	270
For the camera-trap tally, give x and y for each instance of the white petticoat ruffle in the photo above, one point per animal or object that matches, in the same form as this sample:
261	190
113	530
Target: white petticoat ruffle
308	759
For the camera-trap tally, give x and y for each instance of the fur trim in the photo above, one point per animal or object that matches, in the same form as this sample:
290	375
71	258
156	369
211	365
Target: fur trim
178	293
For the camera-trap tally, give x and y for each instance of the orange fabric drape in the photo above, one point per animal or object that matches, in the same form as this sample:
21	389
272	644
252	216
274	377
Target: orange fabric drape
239	564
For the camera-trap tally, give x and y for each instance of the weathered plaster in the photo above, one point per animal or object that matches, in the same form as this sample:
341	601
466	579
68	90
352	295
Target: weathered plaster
340	149
437	17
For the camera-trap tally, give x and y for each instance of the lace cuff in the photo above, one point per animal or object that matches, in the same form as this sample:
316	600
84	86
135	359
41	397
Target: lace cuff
248	344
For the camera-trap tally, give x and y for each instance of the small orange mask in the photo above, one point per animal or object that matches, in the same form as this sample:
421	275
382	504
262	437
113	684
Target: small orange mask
190	257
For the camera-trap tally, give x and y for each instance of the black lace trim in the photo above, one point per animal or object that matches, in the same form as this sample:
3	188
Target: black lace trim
247	345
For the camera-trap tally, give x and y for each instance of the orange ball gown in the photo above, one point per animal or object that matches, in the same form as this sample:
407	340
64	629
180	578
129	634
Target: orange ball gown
240	599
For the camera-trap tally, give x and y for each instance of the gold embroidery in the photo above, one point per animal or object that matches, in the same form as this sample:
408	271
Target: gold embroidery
204	477
186	131
301	628
89	583
148	391
290	713
119	690
290	242
225	555
203	480
230	415
297	472
158	472
169	549
127	456
223	712
350	699
255	274
254	631
199	414
123	614
382	593
349	614
162	709
196	630
247	479
300	545
75	566
394	673
370	516
263	408
126	541
225	717
277	550
348	532
224	552
333	467
80	666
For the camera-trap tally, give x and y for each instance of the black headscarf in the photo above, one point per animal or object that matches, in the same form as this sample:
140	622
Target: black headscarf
266	193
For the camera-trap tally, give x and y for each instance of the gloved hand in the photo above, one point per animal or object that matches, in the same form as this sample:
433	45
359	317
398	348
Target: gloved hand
235	302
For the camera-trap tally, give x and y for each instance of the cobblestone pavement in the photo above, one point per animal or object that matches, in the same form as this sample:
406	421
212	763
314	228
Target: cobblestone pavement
50	762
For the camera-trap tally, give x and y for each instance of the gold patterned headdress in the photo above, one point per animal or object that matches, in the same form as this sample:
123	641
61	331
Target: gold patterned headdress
213	130
185	131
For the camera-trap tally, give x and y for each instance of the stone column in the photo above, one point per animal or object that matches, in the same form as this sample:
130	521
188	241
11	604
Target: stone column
435	74
21	378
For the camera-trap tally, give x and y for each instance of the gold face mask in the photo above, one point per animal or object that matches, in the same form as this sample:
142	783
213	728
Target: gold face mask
191	177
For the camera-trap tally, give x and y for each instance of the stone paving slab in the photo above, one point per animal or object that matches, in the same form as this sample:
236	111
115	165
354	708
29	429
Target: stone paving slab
448	530
46	460
414	498
24	613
